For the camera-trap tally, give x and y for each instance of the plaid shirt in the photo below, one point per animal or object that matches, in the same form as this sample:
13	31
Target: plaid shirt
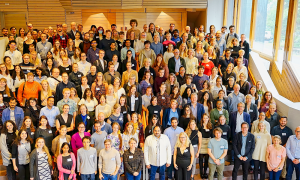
133	162
63	41
163	100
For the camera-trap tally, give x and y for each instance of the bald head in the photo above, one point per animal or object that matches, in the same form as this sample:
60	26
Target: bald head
101	117
236	88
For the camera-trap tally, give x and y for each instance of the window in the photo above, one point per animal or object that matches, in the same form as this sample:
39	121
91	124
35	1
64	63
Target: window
285	12
265	26
230	11
245	17
295	58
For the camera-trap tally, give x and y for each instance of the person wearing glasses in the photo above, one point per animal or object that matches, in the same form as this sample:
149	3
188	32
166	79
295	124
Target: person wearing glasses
292	151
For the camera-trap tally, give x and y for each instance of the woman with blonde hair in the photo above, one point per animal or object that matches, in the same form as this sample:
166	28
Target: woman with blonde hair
171	83
118	89
103	107
76	56
199	51
183	157
4	90
262	141
116	116
70	48
138	128
183	50
73	95
212	56
169	53
4	73
111	97
260	90
40	164
234	47
62	53
99	87
129	132
44	93
56	49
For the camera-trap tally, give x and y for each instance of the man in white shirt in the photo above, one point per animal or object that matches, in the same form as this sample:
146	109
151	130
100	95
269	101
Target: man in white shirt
261	117
83	65
139	44
157	151
15	55
54	79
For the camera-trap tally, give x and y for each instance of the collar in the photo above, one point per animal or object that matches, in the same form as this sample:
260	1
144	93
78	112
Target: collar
12	110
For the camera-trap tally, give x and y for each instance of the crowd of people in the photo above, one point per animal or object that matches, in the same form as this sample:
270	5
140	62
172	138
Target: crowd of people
100	104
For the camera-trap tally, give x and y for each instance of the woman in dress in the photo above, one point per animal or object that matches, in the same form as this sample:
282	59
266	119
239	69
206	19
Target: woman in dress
208	65
116	116
66	163
44	131
65	119
99	87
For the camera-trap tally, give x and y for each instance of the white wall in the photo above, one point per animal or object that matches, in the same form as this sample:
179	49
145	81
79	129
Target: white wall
215	11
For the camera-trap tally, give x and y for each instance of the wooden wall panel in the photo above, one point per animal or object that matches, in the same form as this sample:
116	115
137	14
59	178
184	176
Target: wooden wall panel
73	16
17	20
45	13
14	6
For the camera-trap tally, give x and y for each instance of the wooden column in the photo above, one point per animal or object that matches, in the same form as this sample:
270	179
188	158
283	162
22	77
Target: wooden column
253	22
277	30
289	38
225	12
238	16
235	12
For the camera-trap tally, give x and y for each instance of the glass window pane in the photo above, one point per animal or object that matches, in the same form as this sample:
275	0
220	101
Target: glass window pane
230	13
245	18
295	58
283	31
265	26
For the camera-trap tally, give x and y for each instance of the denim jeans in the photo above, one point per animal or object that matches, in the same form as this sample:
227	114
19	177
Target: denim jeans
130	176
290	166
274	175
87	176
109	177
161	171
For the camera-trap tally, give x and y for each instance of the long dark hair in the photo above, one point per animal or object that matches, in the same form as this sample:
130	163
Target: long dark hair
150	124
4	129
125	104
85	96
63	145
14	74
44	117
209	103
184	112
18	139
185	94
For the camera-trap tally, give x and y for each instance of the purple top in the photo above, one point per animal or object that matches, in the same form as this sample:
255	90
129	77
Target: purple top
76	142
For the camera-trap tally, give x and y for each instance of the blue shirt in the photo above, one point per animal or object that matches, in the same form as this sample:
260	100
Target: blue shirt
172	114
293	148
233	100
177	64
176	40
84	119
217	149
50	114
157	48
173	135
198	81
244	140
222	45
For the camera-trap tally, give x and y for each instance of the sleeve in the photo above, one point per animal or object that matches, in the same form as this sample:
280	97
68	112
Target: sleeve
226	116
53	148
146	149
141	157
169	154
20	93
95	159
288	149
100	160
73	144
31	163
234	145
118	159
4	150
78	162
22	118
209	146
249	155
59	165
14	151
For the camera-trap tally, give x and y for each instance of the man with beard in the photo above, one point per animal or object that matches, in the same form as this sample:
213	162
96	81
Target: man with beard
61	36
175	36
85	44
151	33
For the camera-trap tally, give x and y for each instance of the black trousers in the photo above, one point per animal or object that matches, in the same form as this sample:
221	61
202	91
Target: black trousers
23	172
237	163
262	166
203	169
11	173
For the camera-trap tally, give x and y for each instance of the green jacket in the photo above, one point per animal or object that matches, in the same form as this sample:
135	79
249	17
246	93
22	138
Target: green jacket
214	116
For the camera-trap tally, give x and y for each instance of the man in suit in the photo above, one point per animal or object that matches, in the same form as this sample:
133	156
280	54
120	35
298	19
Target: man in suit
197	108
101	64
236	118
243	146
73	30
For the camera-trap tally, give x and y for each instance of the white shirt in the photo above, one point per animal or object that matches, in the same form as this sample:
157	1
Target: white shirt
53	83
238	72
9	82
213	81
151	152
90	105
84	67
138	46
120	92
254	126
215	91
17	83
16	57
132	103
239	121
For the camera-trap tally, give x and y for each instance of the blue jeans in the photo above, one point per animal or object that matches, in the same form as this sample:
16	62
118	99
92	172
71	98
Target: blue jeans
130	176
170	169
87	176
109	177
274	175
290	166
161	171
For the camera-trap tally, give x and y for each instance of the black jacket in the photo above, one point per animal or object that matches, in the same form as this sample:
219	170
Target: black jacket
249	148
172	64
137	105
99	67
71	34
253	112
89	120
246	48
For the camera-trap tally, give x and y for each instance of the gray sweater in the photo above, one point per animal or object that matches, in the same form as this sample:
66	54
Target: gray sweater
109	160
6	155
87	160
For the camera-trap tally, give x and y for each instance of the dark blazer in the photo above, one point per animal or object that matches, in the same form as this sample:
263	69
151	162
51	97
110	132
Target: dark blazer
249	148
137	105
89	124
71	34
109	54
246	48
99	67
166	117
172	64
142	72
253	112
200	111
232	121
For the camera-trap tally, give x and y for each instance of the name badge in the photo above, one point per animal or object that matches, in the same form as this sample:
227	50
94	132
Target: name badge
207	65
221	147
210	58
148	84
112	159
220	112
136	98
195	145
88	117
28	70
225	133
120	45
163	97
124	112
67	69
91	156
155	111
243	47
130	157
97	37
97	89
151	74
97	54
278	156
251	110
4	95
283	134
121	118
79	75
69	160
50	131
193	63
267	107
258	137
206	130
231	49
32	133
185	150
63	38
132	65
45	47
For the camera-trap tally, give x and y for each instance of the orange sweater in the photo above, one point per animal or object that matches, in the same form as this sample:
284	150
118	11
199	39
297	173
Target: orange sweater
31	90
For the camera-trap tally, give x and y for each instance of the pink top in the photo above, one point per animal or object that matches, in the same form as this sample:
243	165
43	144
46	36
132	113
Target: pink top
76	142
275	156
66	171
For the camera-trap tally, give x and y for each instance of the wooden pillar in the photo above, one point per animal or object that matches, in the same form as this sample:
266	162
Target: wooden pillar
235	12
253	22
238	16
291	22
277	30
225	12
